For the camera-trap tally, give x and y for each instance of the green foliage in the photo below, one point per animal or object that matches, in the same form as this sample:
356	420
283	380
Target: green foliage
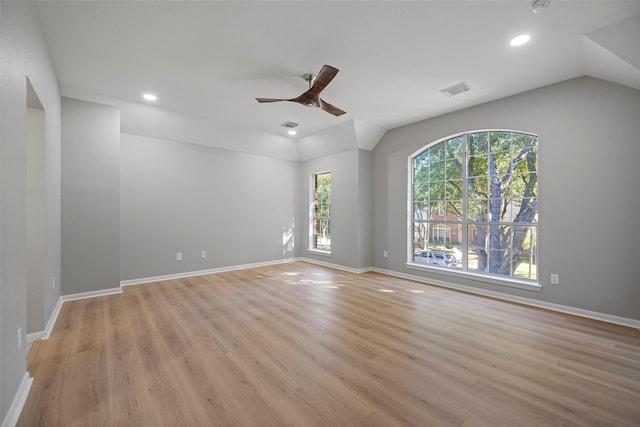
322	211
323	195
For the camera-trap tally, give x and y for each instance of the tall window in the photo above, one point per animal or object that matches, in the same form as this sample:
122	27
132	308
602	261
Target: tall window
475	204
321	212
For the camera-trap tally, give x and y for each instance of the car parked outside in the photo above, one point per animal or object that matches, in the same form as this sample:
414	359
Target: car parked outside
439	258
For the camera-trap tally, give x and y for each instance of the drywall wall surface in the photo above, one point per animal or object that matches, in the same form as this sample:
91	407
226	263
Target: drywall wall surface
588	155
365	209
350	209
24	56
35	221
90	196
185	198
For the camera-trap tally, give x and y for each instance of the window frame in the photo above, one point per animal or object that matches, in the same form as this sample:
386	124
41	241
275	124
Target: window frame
313	243
464	222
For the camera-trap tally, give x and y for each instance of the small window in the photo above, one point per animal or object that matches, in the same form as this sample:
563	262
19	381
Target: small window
321	212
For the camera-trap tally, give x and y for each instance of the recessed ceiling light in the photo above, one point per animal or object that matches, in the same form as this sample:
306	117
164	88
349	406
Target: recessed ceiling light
150	97
520	40
292	132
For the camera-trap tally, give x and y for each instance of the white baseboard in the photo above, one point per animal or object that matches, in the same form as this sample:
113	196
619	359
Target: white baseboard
52	319
143	280
46	334
18	402
35	336
90	294
609	318
336	266
204	272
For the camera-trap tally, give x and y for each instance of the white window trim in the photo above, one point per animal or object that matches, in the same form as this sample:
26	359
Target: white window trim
318	252
487	278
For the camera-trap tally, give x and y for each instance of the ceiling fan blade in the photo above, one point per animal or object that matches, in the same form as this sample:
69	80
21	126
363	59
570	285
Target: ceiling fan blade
270	100
332	109
324	77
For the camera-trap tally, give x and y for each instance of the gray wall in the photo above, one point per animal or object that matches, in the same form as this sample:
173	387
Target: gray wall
35	221
180	197
589	151
90	196
351	216
365	207
24	55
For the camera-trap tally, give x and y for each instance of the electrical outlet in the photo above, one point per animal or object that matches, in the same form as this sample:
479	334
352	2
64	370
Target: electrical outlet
555	279
19	338
203	254
385	253
179	256
53	281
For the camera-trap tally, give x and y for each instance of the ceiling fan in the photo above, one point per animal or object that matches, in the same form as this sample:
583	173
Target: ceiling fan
311	98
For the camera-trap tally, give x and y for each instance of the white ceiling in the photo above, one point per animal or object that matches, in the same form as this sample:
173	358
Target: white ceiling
209	59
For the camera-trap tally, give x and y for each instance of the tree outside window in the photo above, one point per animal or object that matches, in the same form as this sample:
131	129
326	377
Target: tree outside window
321	212
482	188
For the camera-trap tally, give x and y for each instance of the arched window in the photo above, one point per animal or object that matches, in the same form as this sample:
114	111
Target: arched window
484	186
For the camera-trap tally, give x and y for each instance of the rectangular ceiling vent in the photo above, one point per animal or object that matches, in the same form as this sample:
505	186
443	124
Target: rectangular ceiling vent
455	89
289	125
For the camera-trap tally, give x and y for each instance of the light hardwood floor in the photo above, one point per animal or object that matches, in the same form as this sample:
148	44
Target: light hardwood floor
302	345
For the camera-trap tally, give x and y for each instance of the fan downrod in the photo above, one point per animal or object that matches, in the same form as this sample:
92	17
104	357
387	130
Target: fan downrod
309	78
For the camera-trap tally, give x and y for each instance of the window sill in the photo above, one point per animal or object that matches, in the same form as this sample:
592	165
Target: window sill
494	280
319	252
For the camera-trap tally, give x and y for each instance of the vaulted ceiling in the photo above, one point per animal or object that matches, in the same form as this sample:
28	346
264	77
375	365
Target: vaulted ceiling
208	60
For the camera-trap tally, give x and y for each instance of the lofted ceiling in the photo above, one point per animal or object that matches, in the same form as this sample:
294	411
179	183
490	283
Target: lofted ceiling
208	60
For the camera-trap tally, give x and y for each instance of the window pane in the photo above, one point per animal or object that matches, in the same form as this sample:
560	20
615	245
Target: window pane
322	234
436	171
478	187
454	210
437	190
420	236
503	162
420	210
437	152
421	159
454	169
477	209
436	208
495	210
454	189
454	148
478	143
500	141
525	252
478	166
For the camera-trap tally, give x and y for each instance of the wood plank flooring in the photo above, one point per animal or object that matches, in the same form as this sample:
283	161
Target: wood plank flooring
302	345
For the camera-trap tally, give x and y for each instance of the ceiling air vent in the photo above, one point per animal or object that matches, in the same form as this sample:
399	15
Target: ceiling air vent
455	89
289	125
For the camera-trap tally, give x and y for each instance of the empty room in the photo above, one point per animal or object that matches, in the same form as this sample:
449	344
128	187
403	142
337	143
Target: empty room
319	213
